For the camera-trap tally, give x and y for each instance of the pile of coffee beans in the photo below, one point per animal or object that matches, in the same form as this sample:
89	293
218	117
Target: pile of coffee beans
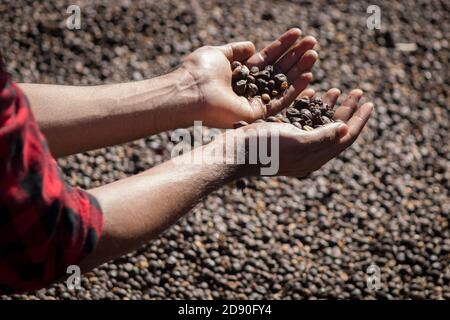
383	202
309	114
304	113
264	84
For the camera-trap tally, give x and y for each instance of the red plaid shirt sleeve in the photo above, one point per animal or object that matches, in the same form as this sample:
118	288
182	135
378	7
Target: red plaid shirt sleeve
45	225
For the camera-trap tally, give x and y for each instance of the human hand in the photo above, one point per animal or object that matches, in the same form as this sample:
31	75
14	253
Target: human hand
302	152
211	73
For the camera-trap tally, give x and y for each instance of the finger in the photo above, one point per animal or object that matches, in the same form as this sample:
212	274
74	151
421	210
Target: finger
357	123
276	105
238	51
328	134
305	64
275	50
331	96
287	61
309	93
349	106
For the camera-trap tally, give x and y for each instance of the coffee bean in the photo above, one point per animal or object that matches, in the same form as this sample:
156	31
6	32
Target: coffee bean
252	89
317	101
292	112
244	71
269	68
235	64
305	113
297	125
329	114
325	120
301	103
308	128
265	75
240	87
261	83
265	98
236	74
280	78
254	70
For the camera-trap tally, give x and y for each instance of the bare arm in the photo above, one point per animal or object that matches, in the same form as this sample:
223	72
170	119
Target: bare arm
139	208
76	119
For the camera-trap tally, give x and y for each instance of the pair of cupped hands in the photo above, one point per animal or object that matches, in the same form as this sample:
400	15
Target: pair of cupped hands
301	152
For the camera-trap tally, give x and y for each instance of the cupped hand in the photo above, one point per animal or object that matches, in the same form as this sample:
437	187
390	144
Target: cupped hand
209	68
302	152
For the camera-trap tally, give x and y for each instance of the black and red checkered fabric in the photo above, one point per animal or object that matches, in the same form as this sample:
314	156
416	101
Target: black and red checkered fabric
45	225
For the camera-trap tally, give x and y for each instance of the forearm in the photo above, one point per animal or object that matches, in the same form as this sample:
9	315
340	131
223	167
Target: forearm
139	208
76	119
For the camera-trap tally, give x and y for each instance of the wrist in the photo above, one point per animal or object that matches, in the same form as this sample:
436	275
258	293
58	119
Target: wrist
229	154
188	95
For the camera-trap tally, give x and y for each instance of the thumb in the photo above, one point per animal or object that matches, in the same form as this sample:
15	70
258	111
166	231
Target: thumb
329	134
239	51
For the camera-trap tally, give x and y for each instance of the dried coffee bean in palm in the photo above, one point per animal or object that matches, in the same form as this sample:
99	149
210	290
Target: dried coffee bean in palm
264	74
236	74
261	83
235	64
329	114
306	121
301	103
269	68
240	87
297	124
239	124
272	119
305	113
259	121
316	114
316	101
266	90
254	70
326	120
245	71
323	109
274	93
271	84
292	112
252	89
308	128
265	98
240	73
280	78
251	79
284	85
